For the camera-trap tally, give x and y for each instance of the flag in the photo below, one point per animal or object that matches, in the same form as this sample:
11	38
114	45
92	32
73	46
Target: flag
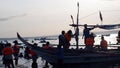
100	16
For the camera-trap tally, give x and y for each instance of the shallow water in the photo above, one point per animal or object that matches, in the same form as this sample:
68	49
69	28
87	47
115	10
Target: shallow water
23	63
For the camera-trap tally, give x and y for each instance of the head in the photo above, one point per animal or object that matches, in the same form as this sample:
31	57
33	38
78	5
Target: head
43	45
102	37
63	32
47	43
69	32
15	42
85	25
35	44
8	44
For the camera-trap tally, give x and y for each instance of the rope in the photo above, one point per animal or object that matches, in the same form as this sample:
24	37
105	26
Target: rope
97	12
88	15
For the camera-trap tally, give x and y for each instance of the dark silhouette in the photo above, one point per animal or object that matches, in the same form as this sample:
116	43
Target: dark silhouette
68	37
7	56
34	57
86	32
118	37
16	51
47	45
90	42
1	47
21	55
62	40
103	43
26	53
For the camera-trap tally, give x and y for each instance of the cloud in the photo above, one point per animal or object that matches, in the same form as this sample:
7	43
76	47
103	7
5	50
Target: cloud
11	17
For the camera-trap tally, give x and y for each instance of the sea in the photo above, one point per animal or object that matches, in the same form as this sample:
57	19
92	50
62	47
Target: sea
24	63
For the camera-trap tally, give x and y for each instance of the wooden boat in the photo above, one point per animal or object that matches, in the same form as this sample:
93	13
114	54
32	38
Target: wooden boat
75	57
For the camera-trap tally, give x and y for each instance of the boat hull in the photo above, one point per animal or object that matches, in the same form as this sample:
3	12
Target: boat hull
73	58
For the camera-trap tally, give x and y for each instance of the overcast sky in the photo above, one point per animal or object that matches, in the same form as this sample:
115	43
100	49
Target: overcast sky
49	17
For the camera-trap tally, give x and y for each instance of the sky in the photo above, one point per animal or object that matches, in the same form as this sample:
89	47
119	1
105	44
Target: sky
33	18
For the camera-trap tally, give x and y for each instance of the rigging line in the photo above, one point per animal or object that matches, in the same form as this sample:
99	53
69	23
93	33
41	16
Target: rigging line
110	10
97	12
88	15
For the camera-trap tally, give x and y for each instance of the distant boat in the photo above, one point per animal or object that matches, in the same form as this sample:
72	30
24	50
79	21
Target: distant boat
36	39
43	40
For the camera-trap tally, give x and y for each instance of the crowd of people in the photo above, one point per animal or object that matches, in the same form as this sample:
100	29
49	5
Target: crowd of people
8	50
89	39
65	38
11	54
7	56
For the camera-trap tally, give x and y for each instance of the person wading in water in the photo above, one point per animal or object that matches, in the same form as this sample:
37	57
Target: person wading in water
16	51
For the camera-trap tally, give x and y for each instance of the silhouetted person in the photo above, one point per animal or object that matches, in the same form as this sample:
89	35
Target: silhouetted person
62	44
34	58
47	45
26	53
90	42
86	32
7	56
118	37
103	44
68	37
1	47
21	55
62	40
16	51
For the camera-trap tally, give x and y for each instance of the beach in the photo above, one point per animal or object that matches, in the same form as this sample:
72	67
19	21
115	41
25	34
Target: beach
24	63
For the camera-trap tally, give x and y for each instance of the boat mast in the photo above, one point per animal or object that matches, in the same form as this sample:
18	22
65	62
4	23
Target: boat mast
77	29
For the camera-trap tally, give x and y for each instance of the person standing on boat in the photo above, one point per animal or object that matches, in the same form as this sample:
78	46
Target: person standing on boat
16	51
90	42
103	43
68	37
7	56
86	32
62	40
